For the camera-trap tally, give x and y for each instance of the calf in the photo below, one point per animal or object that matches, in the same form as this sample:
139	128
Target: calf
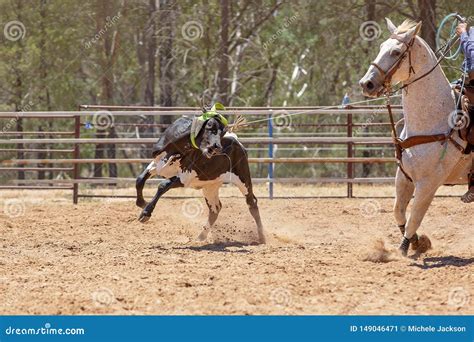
209	160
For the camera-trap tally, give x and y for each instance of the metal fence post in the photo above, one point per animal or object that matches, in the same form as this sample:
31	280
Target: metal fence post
76	153
270	155
350	165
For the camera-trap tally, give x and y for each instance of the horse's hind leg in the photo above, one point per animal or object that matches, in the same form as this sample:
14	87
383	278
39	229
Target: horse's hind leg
405	189
424	194
211	194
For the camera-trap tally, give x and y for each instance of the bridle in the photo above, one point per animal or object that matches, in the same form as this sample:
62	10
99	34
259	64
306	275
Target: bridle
403	144
387	75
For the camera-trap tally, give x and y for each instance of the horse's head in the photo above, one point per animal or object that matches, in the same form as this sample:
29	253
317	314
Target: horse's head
393	63
209	138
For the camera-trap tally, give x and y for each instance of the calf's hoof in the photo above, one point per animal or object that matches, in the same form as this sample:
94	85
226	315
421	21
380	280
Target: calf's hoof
203	236
144	217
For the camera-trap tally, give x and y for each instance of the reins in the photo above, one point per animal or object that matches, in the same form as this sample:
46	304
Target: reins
438	62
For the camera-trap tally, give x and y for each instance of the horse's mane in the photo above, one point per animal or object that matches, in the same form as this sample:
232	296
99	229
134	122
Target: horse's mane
405	26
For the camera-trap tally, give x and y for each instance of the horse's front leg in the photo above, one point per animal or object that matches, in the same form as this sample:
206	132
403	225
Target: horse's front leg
405	189
164	186
424	194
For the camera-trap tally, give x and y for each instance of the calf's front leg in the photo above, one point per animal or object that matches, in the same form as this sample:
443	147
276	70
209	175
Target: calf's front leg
164	186
140	183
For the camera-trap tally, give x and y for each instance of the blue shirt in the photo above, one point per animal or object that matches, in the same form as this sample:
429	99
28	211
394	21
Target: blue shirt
467	45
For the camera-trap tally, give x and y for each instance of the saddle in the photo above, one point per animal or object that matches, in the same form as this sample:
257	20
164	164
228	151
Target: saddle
466	107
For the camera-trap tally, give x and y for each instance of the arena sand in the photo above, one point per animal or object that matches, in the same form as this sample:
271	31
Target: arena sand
323	256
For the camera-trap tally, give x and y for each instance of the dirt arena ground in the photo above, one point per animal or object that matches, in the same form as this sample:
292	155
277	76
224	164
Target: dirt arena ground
95	258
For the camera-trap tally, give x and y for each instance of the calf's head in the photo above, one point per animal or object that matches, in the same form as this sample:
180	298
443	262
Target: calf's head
209	138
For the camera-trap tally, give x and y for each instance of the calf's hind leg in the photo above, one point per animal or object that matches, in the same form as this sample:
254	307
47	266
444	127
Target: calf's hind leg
211	194
164	186
253	208
243	181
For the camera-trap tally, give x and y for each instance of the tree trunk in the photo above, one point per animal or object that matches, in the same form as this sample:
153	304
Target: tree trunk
18	101
223	80
44	97
108	54
370	7
427	10
166	72
150	34
268	97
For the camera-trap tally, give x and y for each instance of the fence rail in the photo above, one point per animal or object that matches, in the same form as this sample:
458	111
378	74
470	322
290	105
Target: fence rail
265	117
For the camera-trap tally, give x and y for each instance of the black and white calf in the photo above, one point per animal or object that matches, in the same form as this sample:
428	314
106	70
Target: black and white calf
220	159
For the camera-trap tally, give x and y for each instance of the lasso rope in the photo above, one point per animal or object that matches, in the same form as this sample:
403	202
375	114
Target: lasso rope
279	113
452	33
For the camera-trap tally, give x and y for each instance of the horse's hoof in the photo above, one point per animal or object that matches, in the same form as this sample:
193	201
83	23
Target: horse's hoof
144	217
141	204
414	242
424	244
404	246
